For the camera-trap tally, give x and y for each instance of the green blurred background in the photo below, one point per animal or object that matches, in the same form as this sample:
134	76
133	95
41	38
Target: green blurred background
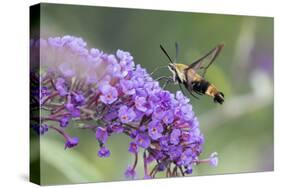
240	130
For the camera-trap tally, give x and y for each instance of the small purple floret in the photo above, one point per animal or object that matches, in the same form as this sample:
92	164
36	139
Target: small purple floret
213	159
140	103
133	148
130	173
174	138
103	152
142	140
155	129
116	128
126	114
40	129
64	121
71	142
109	94
79	99
127	87
101	134
61	87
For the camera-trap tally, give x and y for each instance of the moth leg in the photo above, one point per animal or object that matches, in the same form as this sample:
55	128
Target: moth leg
189	88
182	90
191	93
164	77
198	92
168	80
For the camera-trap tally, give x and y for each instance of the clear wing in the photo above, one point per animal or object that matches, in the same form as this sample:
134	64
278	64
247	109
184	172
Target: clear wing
205	62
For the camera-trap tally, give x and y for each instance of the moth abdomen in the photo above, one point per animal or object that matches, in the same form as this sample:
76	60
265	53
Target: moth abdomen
219	97
200	86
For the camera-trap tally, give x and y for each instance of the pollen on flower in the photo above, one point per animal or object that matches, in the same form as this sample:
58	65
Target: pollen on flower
109	94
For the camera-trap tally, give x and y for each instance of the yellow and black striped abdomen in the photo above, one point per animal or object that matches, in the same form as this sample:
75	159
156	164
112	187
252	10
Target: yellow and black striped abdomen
204	87
201	86
215	93
211	90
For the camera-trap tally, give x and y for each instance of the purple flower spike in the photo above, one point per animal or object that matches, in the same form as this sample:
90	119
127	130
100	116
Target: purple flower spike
155	129
213	159
133	148
142	140
103	152
130	173
126	114
101	134
109	94
85	87
71	142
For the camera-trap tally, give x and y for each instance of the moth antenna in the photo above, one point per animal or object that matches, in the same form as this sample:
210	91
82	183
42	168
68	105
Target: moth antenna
177	51
166	53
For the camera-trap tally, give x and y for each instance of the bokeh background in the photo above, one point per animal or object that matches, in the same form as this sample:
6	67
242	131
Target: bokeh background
240	130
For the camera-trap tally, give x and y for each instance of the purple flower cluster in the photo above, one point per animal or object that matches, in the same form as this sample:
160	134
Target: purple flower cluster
111	96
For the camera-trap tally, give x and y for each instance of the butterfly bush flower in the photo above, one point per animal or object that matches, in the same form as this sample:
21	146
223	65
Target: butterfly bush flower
108	94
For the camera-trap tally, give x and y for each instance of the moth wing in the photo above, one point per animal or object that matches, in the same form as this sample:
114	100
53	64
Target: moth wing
205	62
